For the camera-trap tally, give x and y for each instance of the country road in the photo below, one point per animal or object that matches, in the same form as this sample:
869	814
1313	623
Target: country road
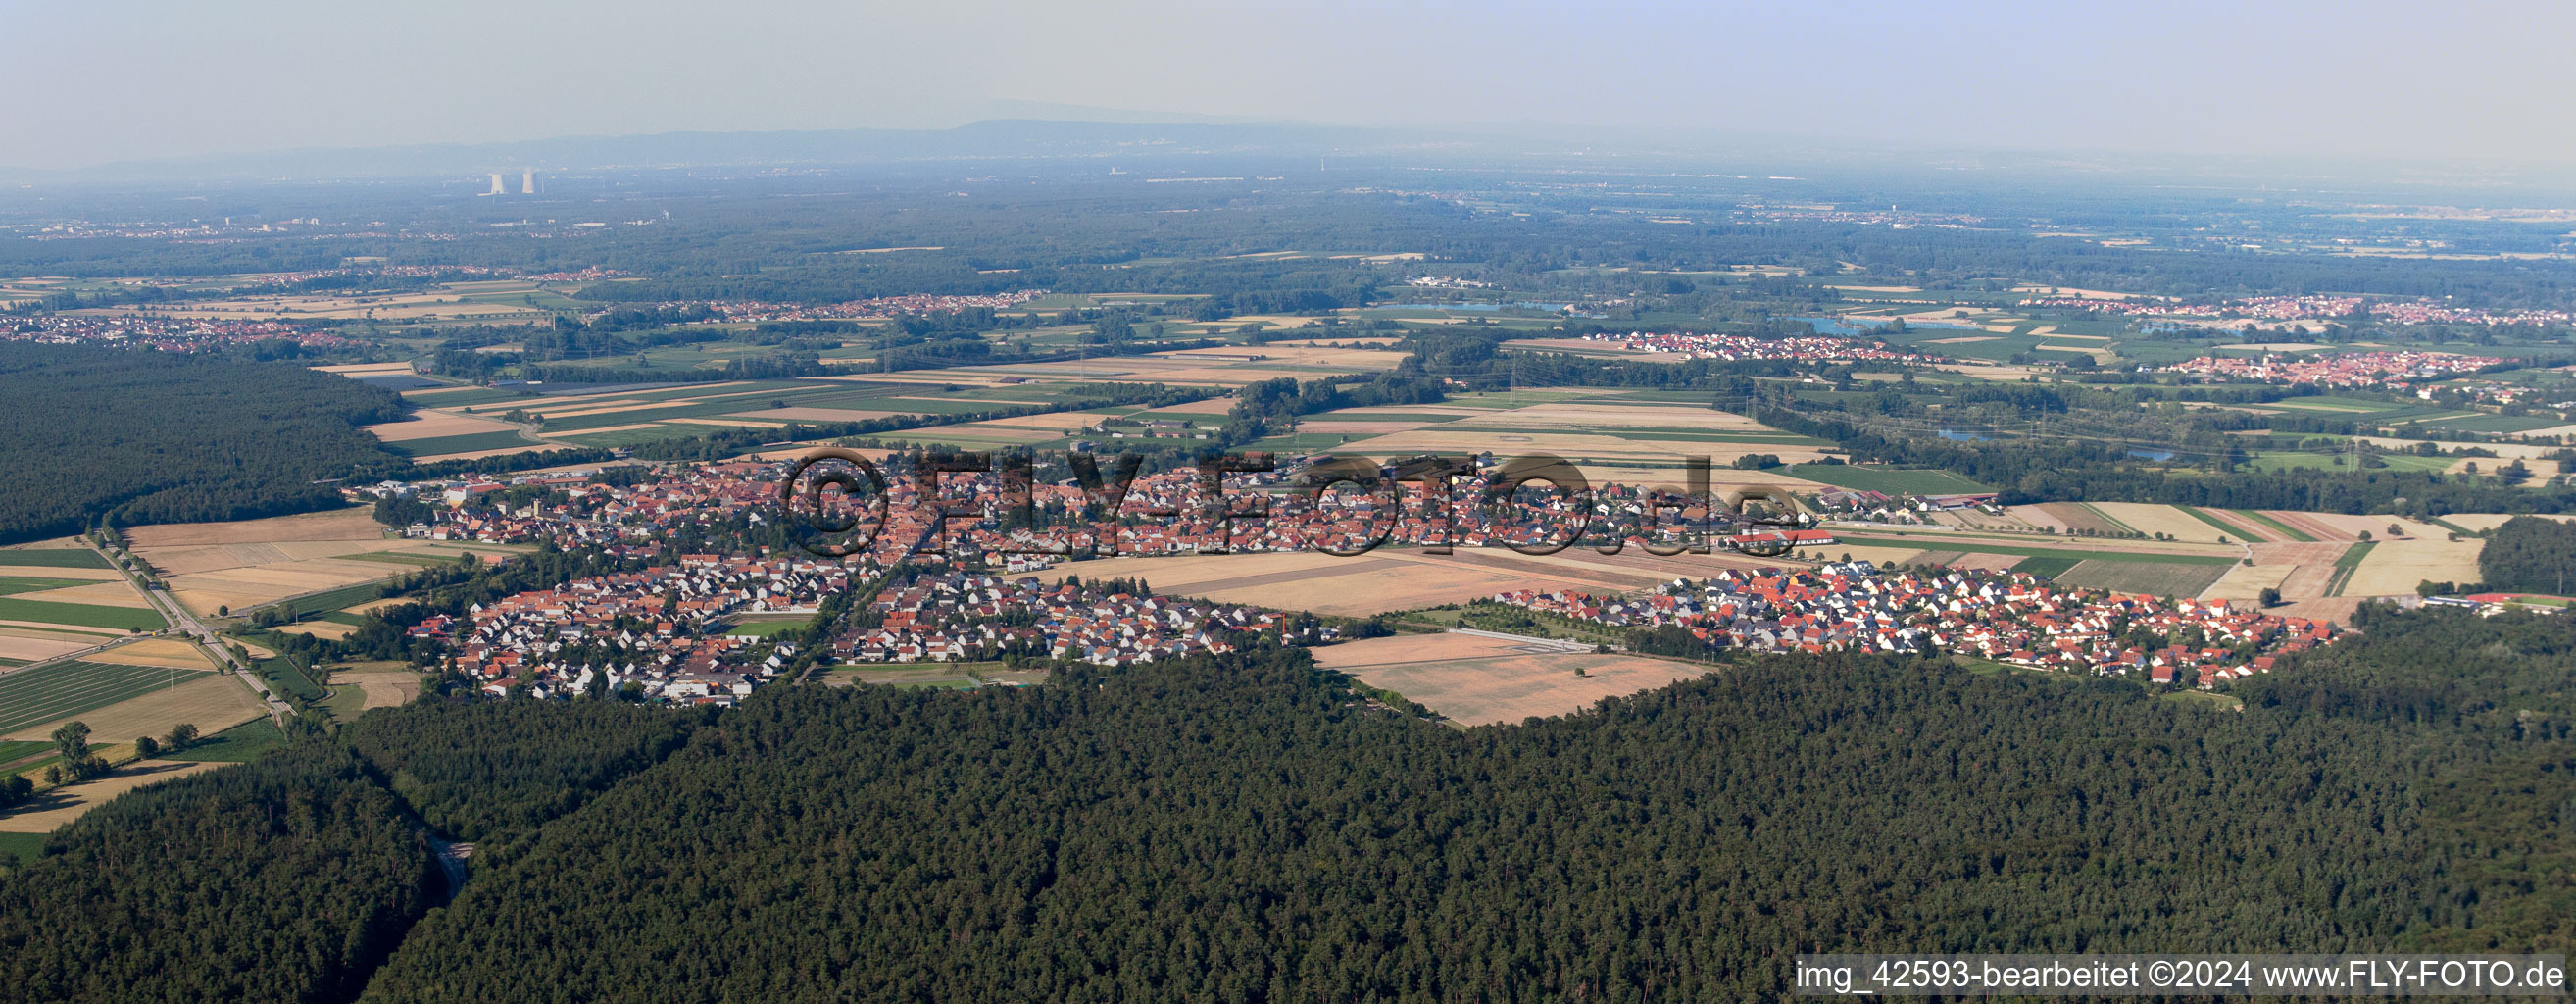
206	637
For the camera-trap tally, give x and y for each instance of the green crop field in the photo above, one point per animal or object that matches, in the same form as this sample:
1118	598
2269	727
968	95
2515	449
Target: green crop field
14	750
2343	566
764	629
81	614
32	697
2139	577
286	680
52	558
234	745
2287	460
2048	567
13	585
1891	480
22	846
344	596
2494	423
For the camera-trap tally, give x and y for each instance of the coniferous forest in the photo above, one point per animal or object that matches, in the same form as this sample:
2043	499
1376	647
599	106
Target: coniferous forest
1244	829
153	437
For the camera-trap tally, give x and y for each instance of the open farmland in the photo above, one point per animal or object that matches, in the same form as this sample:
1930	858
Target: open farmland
1607	435
631	414
1476	680
380	685
51	558
167	653
2143	578
32	699
82	615
2394	567
210	566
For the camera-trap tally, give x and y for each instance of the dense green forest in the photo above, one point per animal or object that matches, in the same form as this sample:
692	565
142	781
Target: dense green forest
289	879
150	437
1245	829
2529	554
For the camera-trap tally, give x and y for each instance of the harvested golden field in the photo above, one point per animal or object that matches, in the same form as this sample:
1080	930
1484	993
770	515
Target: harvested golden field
1492	682
170	652
329	630
52	809
355	523
2165	519
1211	406
2483	521
1440	647
26	646
214	565
1646	415
383	688
101	594
2246	582
429	424
212	702
2393	567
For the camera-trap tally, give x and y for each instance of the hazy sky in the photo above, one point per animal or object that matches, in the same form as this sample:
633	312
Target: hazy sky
90	81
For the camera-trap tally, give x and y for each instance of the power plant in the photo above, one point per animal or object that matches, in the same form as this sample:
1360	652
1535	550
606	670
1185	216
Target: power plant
527	183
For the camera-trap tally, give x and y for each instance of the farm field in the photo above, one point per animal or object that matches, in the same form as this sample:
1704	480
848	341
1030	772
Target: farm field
1475	680
631	414
32	646
2393	567
2081	548
1887	480
234	745
378	685
238	565
168	653
49	811
2143	578
52	558
1609	435
112	618
32	699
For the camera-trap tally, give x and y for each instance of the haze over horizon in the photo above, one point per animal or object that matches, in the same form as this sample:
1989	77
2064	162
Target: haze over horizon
118	81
